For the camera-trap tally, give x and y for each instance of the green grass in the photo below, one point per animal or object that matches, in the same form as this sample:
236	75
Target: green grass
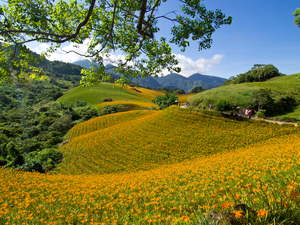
281	87
96	94
240	94
290	116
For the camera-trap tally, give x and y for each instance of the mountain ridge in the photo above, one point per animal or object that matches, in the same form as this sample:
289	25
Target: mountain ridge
173	79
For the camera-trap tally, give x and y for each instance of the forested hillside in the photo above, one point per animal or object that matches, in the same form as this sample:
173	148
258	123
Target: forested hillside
32	124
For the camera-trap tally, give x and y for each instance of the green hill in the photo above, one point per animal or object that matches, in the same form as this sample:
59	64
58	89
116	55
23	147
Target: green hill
285	93
96	94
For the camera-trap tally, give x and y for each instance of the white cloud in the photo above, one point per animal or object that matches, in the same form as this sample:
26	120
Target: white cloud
201	65
67	53
61	54
188	66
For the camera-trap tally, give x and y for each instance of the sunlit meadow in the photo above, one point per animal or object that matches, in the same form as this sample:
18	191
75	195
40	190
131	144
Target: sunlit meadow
151	94
130	105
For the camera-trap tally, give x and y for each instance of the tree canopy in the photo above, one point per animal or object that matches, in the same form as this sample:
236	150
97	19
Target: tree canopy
258	73
108	25
197	89
297	17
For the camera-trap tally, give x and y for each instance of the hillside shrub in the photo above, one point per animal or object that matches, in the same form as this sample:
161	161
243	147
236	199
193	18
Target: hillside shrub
202	106
197	89
165	100
261	113
47	121
223	105
110	109
32	165
180	91
62	124
149	108
86	112
262	99
42	161
12	151
3	161
80	103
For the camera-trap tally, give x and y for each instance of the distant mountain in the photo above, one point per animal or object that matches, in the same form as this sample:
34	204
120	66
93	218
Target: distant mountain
150	82
171	80
208	79
85	63
61	70
110	70
172	88
185	83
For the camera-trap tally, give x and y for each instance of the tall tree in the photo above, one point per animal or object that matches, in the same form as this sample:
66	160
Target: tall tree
262	98
129	26
297	22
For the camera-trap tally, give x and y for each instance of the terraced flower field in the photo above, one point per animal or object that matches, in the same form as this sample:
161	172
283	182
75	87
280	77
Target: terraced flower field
163	167
106	121
120	143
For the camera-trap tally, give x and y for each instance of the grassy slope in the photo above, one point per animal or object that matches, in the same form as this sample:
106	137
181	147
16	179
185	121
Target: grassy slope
129	105
283	86
156	138
94	95
151	94
133	98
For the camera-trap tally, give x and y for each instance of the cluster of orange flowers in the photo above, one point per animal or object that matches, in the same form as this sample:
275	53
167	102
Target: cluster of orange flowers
221	166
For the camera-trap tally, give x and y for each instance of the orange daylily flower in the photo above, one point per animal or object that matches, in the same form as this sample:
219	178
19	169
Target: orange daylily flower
237	214
262	212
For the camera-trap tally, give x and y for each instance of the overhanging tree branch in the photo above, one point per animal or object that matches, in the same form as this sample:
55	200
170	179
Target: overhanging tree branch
126	25
46	36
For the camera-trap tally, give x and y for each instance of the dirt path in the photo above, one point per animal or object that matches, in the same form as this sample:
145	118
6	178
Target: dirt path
276	121
269	121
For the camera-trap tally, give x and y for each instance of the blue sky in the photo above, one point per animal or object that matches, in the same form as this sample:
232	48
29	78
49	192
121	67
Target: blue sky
262	32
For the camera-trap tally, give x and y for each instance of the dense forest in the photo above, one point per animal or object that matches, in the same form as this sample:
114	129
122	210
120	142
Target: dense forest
32	124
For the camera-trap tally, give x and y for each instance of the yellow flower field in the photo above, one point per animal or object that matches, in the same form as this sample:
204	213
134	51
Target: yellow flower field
118	143
264	176
162	167
106	121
